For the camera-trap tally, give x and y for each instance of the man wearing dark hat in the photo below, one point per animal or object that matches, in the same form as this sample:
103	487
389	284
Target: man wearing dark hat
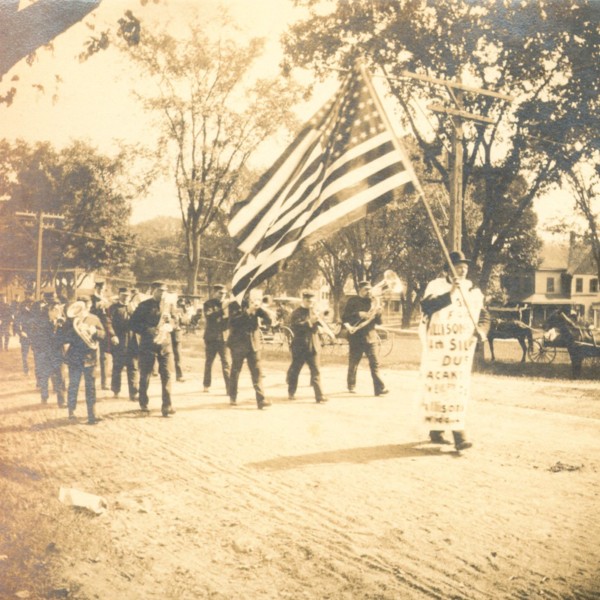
23	328
50	351
360	317
99	308
82	333
215	311
124	345
153	325
244	344
306	346
453	318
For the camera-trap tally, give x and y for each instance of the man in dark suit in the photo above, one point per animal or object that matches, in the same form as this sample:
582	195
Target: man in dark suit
360	317
214	336
124	345
305	347
152	322
244	344
82	333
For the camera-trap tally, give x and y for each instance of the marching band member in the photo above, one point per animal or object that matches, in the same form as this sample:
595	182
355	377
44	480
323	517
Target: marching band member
215	311
124	345
244	344
306	346
50	355
82	334
152	321
360	317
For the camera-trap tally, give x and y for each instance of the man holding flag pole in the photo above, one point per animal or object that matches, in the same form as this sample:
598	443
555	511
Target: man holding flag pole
345	163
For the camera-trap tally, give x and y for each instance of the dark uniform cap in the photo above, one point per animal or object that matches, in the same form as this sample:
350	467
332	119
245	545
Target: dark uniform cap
158	285
308	294
99	284
123	290
364	284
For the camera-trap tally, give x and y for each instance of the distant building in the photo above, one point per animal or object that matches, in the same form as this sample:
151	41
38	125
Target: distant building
566	279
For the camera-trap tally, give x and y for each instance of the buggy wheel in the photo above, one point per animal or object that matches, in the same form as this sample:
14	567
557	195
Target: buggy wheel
541	353
285	337
384	343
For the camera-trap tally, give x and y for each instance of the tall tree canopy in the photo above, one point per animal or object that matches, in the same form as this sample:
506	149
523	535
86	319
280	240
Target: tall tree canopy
212	115
545	54
86	188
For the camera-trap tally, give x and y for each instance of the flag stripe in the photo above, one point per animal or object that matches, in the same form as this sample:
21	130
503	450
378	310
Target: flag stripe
343	165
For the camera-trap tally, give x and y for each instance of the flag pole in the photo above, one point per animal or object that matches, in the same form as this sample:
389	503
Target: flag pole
400	148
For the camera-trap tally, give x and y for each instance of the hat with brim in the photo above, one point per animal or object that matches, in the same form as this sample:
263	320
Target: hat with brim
76	309
457	258
308	294
364	284
158	285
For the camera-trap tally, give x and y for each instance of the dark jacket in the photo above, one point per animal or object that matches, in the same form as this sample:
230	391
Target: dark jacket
350	315
119	316
145	321
216	322
243	327
306	334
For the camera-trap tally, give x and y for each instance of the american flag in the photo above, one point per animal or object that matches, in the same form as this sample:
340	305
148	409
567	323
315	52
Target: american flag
343	165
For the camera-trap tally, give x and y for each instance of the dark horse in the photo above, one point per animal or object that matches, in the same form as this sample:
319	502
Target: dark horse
577	339
510	329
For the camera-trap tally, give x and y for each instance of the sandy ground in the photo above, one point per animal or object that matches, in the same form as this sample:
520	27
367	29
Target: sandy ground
340	501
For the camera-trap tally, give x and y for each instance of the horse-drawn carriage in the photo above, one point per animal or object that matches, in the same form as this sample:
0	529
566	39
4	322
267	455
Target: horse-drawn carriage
562	331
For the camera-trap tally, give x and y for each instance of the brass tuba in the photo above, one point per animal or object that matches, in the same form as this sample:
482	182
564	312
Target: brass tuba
389	282
81	328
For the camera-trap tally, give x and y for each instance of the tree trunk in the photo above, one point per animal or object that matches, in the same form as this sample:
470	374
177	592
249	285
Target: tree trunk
194	266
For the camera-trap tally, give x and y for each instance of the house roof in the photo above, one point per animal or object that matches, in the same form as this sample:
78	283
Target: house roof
554	256
582	262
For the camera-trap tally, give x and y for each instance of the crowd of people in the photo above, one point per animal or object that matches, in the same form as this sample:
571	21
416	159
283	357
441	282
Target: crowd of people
71	342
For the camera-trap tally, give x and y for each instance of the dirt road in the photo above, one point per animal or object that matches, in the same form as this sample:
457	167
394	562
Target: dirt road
342	500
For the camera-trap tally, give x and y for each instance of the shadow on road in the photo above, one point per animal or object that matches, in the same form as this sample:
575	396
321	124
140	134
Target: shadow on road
354	455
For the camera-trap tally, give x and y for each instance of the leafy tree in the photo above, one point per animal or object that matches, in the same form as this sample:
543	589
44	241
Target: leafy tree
158	250
211	117
85	187
586	193
543	53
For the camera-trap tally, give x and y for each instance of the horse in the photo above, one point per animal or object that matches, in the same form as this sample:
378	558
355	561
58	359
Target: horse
576	338
509	329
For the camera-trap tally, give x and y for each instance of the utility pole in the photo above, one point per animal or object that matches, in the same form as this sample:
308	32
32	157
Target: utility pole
458	115
39	217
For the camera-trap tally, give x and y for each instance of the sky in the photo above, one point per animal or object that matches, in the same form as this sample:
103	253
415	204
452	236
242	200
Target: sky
94	101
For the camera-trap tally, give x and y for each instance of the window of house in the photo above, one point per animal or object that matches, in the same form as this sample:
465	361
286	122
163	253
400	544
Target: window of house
579	284
593	286
550	285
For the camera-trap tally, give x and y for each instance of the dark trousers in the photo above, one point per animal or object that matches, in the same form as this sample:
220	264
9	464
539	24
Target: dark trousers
356	350
211	349
50	370
102	359
124	360
25	347
253	359
75	373
4	336
299	359
176	343
162	354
